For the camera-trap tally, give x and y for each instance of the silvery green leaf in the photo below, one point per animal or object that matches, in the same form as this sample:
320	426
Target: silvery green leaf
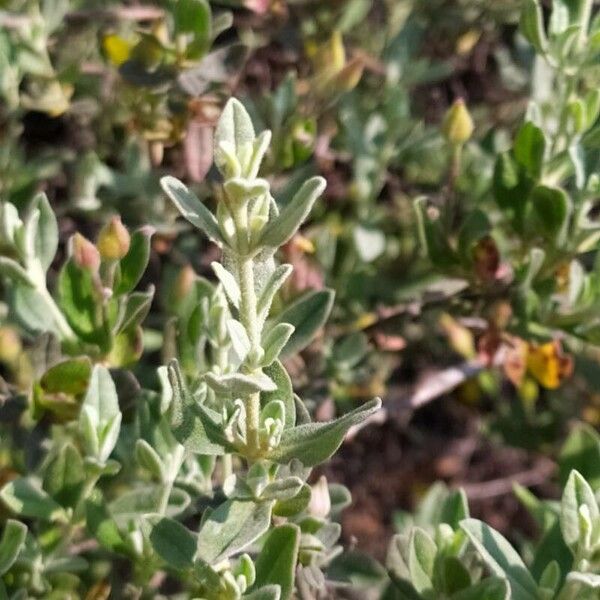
191	208
148	458
282	227
532	25
283	392
271	287
295	505
501	558
239	339
239	189
260	146
26	497
577	493
66	564
100	416
276	563
589	580
491	588
173	542
136	308
191	424
9	223
30	309
314	443
269	592
108	437
421	559
46	234
536	260
234	126
64	475
101	398
550	577
228	282
13	270
141	500
307	314
11	543
231	527
239	384
282	489
274	341
134	263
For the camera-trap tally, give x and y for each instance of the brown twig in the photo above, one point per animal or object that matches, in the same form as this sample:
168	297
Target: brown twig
538	474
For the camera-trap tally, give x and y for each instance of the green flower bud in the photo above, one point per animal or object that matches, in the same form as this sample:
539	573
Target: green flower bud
113	240
458	124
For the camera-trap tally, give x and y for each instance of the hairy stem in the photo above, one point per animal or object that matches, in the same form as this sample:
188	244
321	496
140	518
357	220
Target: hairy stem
249	319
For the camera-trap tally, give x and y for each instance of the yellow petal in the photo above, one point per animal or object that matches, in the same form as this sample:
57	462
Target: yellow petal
116	48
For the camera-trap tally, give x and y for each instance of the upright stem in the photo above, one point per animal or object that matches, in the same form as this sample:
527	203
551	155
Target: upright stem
248	318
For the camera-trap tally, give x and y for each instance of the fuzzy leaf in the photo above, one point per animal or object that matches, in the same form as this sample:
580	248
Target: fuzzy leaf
13	270
272	285
26	498
65	476
11	543
280	229
191	208
231	527
492	588
69	376
314	443
194	17
529	148
190	423
136	309
307	314
588	580
276	562
134	263
421	559
239	384
283	392
577	493
229	283
270	592
174	543
235	126
501	558
239	339
77	295
532	25
46	235
274	341
552	208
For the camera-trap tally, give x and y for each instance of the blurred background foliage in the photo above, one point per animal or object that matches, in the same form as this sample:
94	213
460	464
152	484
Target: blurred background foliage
458	231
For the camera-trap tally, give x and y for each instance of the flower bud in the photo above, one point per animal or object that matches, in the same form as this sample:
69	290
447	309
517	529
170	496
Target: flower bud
84	253
347	79
458	124
113	240
184	283
10	345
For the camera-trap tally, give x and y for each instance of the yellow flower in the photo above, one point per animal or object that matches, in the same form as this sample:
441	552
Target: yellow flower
548	365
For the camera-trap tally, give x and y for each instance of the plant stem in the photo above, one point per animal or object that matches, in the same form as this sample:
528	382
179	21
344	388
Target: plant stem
249	319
